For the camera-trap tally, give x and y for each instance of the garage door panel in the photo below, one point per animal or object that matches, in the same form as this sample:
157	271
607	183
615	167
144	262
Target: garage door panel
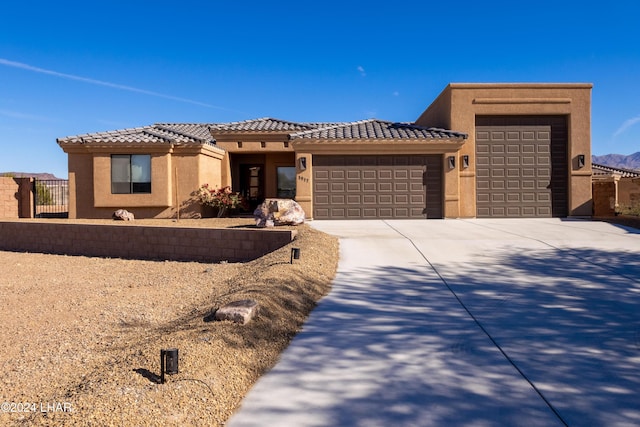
526	136
382	186
521	166
321	187
401	187
369	174
401	213
369	213
385	186
369	199
386	174
322	199
401	174
401	199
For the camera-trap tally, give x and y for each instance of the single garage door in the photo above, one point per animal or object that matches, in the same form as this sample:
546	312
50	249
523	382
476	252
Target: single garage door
374	187
521	166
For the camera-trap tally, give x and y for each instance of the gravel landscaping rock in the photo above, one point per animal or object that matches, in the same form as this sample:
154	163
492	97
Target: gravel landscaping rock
82	336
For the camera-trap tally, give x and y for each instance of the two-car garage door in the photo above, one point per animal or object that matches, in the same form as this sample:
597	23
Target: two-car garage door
377	186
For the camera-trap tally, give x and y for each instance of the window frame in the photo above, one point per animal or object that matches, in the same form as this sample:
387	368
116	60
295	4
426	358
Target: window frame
130	174
284	192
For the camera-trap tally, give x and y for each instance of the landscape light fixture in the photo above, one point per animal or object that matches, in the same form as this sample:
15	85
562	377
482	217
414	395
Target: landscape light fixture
452	162
465	161
580	160
168	362
295	254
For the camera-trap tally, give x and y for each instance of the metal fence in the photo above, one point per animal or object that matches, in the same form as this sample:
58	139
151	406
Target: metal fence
51	198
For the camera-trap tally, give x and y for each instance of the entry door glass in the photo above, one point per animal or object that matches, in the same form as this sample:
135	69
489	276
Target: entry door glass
287	182
251	183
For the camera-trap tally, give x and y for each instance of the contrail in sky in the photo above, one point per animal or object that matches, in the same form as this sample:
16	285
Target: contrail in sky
626	125
103	83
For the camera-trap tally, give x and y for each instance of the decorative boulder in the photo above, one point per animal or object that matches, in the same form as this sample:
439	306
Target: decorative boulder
238	311
278	212
123	215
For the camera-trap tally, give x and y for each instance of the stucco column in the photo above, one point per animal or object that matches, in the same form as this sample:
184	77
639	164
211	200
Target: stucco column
304	183
451	184
616	180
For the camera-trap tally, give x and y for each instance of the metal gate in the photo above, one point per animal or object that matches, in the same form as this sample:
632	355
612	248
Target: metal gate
51	198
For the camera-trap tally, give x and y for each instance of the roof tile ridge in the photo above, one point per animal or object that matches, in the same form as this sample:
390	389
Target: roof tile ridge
180	133
154	132
331	127
414	125
102	134
227	124
302	124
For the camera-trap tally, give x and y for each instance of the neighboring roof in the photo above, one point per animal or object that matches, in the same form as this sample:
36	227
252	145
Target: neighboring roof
377	129
601	170
161	133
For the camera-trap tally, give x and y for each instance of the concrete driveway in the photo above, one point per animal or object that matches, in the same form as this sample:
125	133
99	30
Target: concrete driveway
466	322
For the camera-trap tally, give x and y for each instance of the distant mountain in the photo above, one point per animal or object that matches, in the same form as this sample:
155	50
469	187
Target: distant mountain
631	161
41	175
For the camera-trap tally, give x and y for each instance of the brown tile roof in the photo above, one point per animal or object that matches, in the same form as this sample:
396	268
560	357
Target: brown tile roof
162	133
201	133
265	124
602	170
377	129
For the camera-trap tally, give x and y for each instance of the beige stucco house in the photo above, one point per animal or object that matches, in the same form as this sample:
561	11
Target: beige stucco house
479	150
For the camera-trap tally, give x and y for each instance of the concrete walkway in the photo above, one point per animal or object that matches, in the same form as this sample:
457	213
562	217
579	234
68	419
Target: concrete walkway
466	322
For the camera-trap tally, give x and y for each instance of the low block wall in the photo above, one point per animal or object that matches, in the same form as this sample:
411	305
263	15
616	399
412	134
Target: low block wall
8	197
604	197
142	242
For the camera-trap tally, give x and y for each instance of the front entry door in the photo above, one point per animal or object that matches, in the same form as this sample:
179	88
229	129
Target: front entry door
252	183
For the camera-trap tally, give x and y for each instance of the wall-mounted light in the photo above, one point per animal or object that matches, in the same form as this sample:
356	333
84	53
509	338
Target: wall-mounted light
465	161
295	254
581	162
168	362
452	162
302	163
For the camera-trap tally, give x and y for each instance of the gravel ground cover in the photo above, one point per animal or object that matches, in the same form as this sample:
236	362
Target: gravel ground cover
81	336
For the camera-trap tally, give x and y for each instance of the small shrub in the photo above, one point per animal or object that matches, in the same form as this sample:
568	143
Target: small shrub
223	199
632	210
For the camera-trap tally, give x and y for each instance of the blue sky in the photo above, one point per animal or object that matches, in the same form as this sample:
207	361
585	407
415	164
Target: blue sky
73	67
